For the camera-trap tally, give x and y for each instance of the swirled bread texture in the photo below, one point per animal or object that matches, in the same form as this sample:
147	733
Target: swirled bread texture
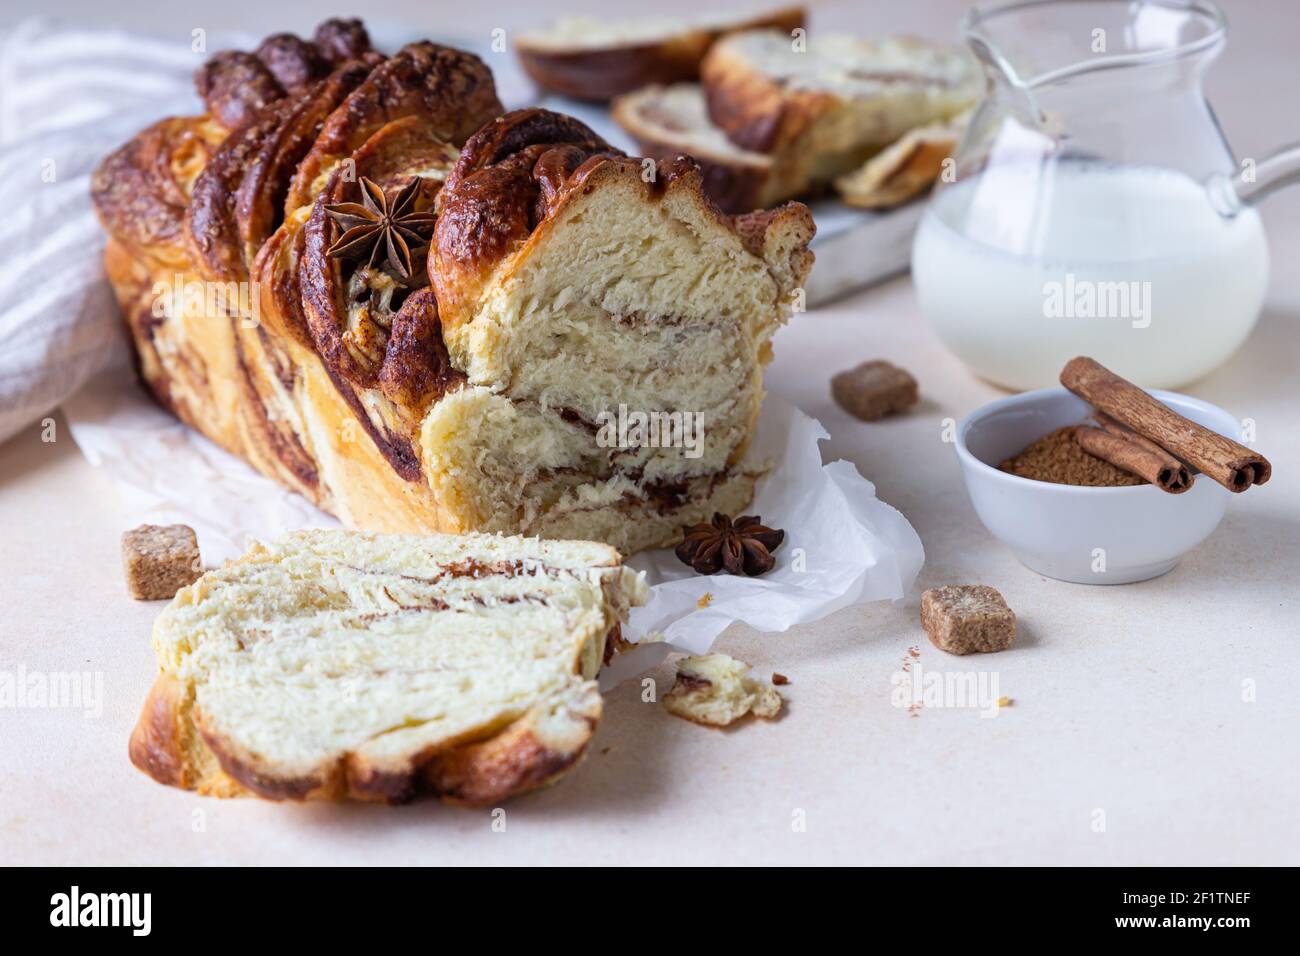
342	665
821	110
553	285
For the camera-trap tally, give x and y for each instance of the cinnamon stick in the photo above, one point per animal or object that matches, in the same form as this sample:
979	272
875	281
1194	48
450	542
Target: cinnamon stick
1106	423
1156	466
1231	464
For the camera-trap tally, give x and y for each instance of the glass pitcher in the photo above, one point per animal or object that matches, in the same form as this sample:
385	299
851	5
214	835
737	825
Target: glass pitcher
1093	206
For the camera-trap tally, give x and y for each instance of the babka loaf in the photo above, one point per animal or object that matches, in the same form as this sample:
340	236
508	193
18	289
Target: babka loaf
340	665
600	59
423	329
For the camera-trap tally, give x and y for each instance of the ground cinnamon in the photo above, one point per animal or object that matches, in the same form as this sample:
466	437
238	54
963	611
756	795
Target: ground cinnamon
1231	464
1059	459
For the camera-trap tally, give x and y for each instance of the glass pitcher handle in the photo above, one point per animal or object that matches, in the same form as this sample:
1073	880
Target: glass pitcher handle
1231	194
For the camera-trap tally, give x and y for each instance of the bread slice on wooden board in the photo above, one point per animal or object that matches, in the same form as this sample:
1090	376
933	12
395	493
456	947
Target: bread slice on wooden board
599	59
904	169
669	121
341	665
825	110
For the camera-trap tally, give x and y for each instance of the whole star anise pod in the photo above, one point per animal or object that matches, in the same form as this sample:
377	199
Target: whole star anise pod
744	546
375	225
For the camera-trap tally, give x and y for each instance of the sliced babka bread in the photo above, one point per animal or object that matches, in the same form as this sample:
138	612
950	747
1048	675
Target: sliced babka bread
333	665
668	121
824	110
905	169
599	59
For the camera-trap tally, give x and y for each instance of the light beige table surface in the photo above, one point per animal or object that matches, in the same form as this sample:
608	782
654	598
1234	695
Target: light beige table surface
1131	738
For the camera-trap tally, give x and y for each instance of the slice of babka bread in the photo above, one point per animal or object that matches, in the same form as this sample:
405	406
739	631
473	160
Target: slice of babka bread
336	665
668	121
598	59
823	110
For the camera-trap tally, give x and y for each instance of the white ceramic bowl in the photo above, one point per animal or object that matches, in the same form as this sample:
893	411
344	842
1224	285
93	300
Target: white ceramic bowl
1080	534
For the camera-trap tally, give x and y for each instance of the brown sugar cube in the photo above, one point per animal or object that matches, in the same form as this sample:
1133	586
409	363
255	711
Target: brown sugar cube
160	560
873	390
967	618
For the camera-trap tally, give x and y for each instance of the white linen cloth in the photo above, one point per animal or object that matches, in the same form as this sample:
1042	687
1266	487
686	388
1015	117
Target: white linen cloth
67	98
60	328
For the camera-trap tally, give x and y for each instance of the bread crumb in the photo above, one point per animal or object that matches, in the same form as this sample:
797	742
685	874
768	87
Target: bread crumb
705	600
717	690
1005	701
780	680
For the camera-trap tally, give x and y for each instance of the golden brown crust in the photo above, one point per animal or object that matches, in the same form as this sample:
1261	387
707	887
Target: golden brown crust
507	180
208	198
513	175
735	180
452	89
155	745
268	786
340	39
901	172
517	171
293	61
171	745
601	73
259	201
513	762
275	273
234	86
754	110
212	219
803	127
417	369
141	192
332	288
780	237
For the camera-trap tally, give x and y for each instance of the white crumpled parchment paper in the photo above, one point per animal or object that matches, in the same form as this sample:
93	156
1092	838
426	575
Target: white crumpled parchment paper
843	545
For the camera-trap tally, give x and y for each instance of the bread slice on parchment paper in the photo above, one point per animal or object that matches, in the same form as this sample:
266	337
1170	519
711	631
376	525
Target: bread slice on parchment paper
340	665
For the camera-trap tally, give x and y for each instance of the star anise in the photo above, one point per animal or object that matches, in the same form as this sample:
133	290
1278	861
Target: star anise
744	546
375	226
